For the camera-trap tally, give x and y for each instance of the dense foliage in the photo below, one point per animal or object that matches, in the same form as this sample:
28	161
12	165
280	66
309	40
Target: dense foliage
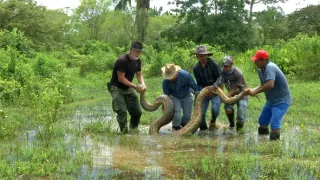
44	54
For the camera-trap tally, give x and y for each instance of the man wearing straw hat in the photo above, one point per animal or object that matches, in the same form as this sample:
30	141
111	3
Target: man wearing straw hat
122	89
208	73
179	84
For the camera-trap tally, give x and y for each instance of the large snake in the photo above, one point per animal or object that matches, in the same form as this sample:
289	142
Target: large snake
195	121
168	109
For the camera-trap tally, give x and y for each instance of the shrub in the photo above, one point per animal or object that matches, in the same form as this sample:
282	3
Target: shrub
9	92
298	56
99	61
16	40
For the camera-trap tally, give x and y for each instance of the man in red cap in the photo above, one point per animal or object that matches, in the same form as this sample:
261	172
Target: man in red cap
275	86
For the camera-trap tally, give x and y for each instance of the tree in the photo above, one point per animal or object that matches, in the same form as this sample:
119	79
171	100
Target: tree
157	24
122	4
118	28
271	25
89	17
212	22
29	18
142	16
251	3
155	11
306	20
59	25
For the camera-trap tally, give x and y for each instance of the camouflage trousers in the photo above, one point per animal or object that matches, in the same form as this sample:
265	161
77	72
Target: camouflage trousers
123	101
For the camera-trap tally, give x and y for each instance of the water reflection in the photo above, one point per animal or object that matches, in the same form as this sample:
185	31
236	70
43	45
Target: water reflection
101	157
141	156
149	157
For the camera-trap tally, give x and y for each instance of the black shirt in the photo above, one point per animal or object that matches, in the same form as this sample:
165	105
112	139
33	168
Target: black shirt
209	75
126	65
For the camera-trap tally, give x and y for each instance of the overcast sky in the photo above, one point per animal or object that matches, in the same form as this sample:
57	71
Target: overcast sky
288	7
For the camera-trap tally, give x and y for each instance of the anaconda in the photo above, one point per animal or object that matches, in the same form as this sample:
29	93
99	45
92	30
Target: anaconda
168	109
195	121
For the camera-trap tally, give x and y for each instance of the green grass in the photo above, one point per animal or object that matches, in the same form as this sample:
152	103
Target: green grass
89	115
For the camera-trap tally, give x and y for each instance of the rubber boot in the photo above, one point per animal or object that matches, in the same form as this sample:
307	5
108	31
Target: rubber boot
274	136
203	125
123	128
239	125
182	124
134	125
263	131
134	122
213	126
231	119
176	128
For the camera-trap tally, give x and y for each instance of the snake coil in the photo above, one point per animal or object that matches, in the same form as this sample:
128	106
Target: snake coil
168	110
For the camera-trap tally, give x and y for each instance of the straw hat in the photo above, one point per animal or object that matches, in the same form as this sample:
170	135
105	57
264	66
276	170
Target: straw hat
169	71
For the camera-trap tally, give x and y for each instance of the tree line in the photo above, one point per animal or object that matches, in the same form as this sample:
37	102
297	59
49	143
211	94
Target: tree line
226	23
40	47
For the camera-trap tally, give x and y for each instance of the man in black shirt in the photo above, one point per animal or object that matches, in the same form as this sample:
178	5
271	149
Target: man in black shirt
208	73
122	89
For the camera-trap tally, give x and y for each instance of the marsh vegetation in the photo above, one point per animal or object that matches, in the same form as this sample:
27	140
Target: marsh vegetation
56	120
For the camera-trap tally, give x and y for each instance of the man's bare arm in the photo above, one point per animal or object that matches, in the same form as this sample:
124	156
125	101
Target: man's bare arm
262	88
124	80
140	77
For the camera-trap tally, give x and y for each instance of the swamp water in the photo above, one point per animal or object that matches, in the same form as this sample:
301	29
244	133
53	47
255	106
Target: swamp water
138	155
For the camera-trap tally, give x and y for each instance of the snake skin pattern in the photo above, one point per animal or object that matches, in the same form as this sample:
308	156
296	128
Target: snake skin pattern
168	110
195	121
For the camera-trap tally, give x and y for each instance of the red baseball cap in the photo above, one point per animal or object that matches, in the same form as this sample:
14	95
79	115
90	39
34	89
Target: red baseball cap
260	54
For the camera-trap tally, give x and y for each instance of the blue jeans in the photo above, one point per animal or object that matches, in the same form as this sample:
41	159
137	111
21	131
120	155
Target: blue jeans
241	109
185	104
273	114
215	109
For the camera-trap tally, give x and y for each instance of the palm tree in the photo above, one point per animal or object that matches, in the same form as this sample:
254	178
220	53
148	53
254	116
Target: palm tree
122	4
141	15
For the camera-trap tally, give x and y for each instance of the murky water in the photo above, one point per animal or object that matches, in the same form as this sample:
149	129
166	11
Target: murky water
150	157
142	156
153	157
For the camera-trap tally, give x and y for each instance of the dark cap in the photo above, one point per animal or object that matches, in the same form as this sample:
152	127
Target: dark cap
227	61
136	46
202	50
